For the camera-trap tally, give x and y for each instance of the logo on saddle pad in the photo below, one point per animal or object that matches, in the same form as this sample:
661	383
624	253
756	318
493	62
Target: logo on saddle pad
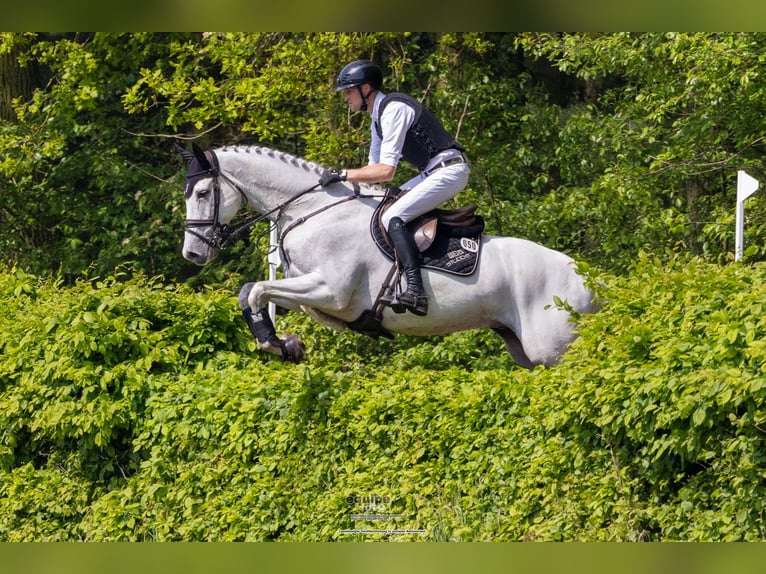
449	241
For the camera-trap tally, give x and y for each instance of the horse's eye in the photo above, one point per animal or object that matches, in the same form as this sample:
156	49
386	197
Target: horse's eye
203	192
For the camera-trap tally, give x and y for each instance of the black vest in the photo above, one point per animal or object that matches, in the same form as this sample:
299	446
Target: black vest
425	138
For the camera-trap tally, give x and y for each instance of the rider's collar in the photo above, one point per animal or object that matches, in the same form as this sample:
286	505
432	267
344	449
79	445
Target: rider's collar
376	104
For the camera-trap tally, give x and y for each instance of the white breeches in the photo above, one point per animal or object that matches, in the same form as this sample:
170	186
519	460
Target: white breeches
428	192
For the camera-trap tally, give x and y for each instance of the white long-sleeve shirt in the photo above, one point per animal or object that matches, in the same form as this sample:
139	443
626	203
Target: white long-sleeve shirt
396	120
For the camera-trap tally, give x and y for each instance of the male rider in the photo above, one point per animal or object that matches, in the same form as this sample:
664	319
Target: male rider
402	128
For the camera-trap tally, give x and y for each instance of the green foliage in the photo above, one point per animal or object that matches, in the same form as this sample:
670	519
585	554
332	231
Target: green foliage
674	116
79	187
602	144
77	364
672	378
137	411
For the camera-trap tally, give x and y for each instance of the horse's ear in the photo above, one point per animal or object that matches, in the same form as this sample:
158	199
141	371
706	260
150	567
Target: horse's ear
186	154
201	157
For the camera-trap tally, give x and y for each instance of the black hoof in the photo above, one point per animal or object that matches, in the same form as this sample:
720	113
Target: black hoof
293	349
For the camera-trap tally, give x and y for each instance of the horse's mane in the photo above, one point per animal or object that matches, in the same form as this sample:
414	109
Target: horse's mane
278	155
311	168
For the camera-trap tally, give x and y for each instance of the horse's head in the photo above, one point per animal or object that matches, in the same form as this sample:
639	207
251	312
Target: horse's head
211	203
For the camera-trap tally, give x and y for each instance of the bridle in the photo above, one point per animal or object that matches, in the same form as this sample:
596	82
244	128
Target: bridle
219	232
221	235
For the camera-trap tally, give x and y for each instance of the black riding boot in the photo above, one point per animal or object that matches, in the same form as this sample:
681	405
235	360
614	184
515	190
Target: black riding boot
414	298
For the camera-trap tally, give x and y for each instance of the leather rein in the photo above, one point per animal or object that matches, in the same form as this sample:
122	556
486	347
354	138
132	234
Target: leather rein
222	235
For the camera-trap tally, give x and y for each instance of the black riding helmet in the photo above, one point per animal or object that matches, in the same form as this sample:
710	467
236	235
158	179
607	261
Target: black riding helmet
357	73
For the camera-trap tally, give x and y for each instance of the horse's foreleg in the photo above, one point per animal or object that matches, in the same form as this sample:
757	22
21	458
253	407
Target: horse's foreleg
310	290
307	291
290	348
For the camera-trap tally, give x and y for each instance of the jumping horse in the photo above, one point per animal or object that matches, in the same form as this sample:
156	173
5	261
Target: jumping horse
335	270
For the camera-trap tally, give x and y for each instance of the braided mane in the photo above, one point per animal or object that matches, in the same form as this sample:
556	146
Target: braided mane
278	155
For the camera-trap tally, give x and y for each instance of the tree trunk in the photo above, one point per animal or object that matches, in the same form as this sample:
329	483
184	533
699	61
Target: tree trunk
15	82
692	186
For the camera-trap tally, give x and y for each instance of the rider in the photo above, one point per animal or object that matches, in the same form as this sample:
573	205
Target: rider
402	128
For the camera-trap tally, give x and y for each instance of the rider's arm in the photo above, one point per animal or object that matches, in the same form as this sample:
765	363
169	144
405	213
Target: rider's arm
373	173
386	152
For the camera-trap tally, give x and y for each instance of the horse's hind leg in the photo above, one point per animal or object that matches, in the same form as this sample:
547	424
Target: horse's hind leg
514	347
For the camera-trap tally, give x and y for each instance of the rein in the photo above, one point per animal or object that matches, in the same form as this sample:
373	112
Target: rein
222	235
229	235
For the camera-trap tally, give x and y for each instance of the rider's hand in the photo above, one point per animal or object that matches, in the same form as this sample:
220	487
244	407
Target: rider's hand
332	175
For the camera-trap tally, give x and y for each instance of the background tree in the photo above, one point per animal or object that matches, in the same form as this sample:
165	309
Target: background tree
17	78
79	188
675	117
598	144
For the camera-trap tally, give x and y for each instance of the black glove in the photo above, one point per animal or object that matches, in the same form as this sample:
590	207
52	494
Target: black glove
332	175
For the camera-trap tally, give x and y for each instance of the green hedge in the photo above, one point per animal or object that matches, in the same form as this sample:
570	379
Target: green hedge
137	411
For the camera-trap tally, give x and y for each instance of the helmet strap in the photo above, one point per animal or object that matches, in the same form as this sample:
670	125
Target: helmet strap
364	98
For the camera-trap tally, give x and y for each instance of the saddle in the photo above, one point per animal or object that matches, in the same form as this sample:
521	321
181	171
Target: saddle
425	227
448	240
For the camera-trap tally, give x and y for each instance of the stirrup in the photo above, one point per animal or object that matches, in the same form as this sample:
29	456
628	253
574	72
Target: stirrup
417	304
391	300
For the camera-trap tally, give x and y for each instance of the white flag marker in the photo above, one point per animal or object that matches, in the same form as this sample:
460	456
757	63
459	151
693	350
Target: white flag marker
746	186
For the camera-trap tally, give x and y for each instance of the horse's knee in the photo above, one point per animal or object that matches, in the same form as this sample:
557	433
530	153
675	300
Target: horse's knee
255	296
244	295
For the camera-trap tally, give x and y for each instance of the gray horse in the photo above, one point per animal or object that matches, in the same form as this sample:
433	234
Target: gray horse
334	270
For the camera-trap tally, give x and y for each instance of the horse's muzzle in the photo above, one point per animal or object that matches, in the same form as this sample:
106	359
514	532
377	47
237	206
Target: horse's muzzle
198	252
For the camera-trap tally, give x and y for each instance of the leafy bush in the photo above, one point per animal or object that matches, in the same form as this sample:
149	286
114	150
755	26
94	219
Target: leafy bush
137	411
76	367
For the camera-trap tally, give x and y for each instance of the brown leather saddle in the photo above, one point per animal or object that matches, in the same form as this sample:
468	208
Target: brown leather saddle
448	239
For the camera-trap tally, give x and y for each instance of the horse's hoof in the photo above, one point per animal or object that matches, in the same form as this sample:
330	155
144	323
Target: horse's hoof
294	349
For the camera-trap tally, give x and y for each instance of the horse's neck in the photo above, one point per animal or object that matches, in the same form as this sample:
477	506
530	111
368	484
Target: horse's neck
272	179
269	178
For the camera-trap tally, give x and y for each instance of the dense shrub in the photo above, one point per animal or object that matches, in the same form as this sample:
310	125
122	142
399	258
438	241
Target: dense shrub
137	411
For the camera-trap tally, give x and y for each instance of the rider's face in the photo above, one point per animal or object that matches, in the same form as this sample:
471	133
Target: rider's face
353	98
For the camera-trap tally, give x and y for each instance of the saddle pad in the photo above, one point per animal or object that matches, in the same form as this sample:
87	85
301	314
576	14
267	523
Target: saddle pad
454	250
